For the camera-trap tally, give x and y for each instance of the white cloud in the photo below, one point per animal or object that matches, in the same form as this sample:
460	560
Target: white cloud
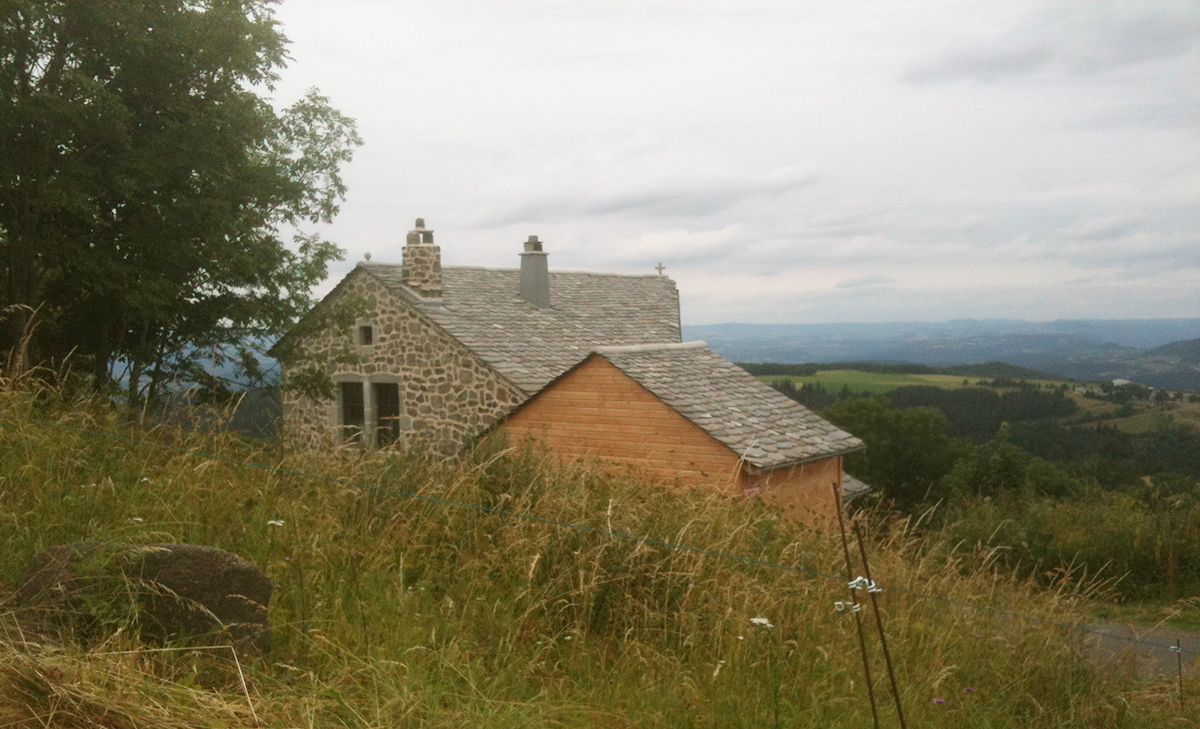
659	186
1084	37
874	279
774	155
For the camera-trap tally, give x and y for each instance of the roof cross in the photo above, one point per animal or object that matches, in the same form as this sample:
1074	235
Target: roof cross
660	268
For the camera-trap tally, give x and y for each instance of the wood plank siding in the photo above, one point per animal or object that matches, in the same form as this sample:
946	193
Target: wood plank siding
803	491
599	411
596	410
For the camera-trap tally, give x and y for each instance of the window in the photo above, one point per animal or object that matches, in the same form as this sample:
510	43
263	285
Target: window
366	334
386	396
354	411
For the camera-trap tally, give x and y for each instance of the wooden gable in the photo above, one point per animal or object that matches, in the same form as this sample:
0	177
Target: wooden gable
596	410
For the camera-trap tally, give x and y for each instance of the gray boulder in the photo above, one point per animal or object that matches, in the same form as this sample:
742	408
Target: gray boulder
173	592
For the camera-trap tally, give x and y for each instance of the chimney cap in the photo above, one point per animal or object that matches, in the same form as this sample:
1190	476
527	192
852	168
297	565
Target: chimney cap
420	235
533	244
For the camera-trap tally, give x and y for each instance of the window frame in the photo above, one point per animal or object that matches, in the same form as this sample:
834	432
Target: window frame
370	433
345	434
364	333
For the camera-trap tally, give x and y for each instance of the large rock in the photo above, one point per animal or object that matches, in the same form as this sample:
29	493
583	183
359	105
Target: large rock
206	589
181	592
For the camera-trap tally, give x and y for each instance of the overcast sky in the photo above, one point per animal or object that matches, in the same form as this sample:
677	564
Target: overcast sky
786	161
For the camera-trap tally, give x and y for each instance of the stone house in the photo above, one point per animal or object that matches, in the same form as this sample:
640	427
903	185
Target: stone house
445	354
682	413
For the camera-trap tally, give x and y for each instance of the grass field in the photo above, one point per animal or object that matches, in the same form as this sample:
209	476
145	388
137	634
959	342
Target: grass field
1145	417
397	612
877	383
1156	417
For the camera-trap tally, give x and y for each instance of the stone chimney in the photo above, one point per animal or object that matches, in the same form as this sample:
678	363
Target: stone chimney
535	275
423	263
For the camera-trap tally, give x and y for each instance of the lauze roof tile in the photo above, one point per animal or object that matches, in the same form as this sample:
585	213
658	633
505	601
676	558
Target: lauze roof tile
765	427
482	307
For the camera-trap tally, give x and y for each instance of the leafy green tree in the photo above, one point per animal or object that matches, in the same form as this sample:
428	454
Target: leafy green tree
976	413
999	466
908	451
146	188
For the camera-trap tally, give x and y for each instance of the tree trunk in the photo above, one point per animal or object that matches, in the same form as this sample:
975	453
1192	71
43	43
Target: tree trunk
138	367
19	303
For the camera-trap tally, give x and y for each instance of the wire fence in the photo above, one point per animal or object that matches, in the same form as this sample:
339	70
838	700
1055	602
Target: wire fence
450	503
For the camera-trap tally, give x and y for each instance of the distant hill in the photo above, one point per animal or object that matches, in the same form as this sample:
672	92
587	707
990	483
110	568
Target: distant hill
997	369
1189	350
1137	350
986	369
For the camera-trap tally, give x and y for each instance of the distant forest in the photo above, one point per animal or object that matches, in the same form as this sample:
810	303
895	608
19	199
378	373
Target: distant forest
1013	465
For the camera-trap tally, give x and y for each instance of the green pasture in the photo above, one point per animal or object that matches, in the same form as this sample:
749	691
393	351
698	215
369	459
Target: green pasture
877	383
1145	417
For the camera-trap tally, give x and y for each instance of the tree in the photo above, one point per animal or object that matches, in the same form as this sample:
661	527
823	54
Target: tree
145	185
908	451
999	465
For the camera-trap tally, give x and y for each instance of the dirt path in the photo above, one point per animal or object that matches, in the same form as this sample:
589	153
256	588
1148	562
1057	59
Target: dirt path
1142	649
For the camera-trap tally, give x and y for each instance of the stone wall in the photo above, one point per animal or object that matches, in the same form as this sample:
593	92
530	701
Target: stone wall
448	395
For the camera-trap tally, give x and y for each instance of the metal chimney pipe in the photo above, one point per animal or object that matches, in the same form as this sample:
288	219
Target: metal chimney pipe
535	274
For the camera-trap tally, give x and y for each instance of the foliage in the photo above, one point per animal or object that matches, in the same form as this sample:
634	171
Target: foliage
996	370
908	452
813	395
1110	457
1047	496
1122	394
1151	550
309	373
394	611
1090	506
145	187
762	369
976	414
998	466
987	369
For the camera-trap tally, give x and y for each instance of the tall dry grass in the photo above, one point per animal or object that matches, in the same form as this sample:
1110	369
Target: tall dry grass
399	612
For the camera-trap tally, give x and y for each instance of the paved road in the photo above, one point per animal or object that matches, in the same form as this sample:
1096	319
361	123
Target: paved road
1120	646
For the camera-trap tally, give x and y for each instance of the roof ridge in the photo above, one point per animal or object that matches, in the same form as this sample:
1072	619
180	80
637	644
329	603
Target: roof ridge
762	425
368	264
657	347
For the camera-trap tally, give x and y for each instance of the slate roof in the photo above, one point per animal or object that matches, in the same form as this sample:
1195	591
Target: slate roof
482	308
760	424
852	487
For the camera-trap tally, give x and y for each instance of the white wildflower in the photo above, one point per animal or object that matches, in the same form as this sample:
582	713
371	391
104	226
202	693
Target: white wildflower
761	622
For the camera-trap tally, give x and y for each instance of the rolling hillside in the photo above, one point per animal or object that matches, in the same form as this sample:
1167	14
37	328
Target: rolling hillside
1136	350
